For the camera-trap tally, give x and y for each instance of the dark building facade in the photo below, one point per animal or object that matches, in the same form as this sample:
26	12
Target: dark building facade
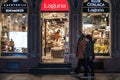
44	31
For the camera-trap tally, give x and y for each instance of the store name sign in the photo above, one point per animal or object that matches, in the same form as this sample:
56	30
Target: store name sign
54	5
96	6
14	10
95	10
95	3
14	6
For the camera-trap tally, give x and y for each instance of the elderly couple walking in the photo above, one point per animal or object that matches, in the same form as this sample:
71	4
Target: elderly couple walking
85	55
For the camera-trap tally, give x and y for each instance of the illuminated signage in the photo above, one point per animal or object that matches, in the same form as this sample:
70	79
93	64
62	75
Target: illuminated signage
94	6
54	5
14	10
14	6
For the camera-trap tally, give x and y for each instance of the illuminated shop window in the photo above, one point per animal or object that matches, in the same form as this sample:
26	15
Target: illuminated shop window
13	29
96	22
55	36
55	31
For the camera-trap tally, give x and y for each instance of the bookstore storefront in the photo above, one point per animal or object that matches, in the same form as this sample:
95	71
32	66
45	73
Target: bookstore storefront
45	31
20	47
55	30
13	28
14	36
96	22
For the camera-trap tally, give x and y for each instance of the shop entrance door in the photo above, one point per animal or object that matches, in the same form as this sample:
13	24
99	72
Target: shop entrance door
55	36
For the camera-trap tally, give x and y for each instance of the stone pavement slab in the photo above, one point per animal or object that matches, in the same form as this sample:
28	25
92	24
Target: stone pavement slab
26	76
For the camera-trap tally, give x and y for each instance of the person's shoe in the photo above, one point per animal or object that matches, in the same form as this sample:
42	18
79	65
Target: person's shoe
92	76
84	76
74	74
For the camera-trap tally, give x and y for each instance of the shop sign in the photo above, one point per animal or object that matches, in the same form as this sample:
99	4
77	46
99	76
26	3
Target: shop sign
14	6
54	5
96	6
96	10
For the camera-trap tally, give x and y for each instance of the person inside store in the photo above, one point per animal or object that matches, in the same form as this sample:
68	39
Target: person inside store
5	31
89	57
81	44
95	33
22	28
11	45
3	45
57	35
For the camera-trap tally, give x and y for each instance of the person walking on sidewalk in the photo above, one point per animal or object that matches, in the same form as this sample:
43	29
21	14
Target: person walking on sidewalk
79	53
89	57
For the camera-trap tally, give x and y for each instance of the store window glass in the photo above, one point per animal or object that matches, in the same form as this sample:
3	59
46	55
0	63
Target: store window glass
13	32
96	22
55	36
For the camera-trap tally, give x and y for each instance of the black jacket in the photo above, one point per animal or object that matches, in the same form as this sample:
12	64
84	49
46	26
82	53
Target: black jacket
89	50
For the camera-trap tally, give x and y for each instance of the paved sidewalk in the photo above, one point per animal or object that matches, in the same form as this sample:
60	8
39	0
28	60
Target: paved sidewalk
19	76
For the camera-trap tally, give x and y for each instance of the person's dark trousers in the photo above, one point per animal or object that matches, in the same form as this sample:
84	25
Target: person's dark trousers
89	67
80	63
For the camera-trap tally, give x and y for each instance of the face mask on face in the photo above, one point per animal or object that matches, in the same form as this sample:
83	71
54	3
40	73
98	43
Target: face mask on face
78	36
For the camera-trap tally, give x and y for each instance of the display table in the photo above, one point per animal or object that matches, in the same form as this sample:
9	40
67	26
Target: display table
57	53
